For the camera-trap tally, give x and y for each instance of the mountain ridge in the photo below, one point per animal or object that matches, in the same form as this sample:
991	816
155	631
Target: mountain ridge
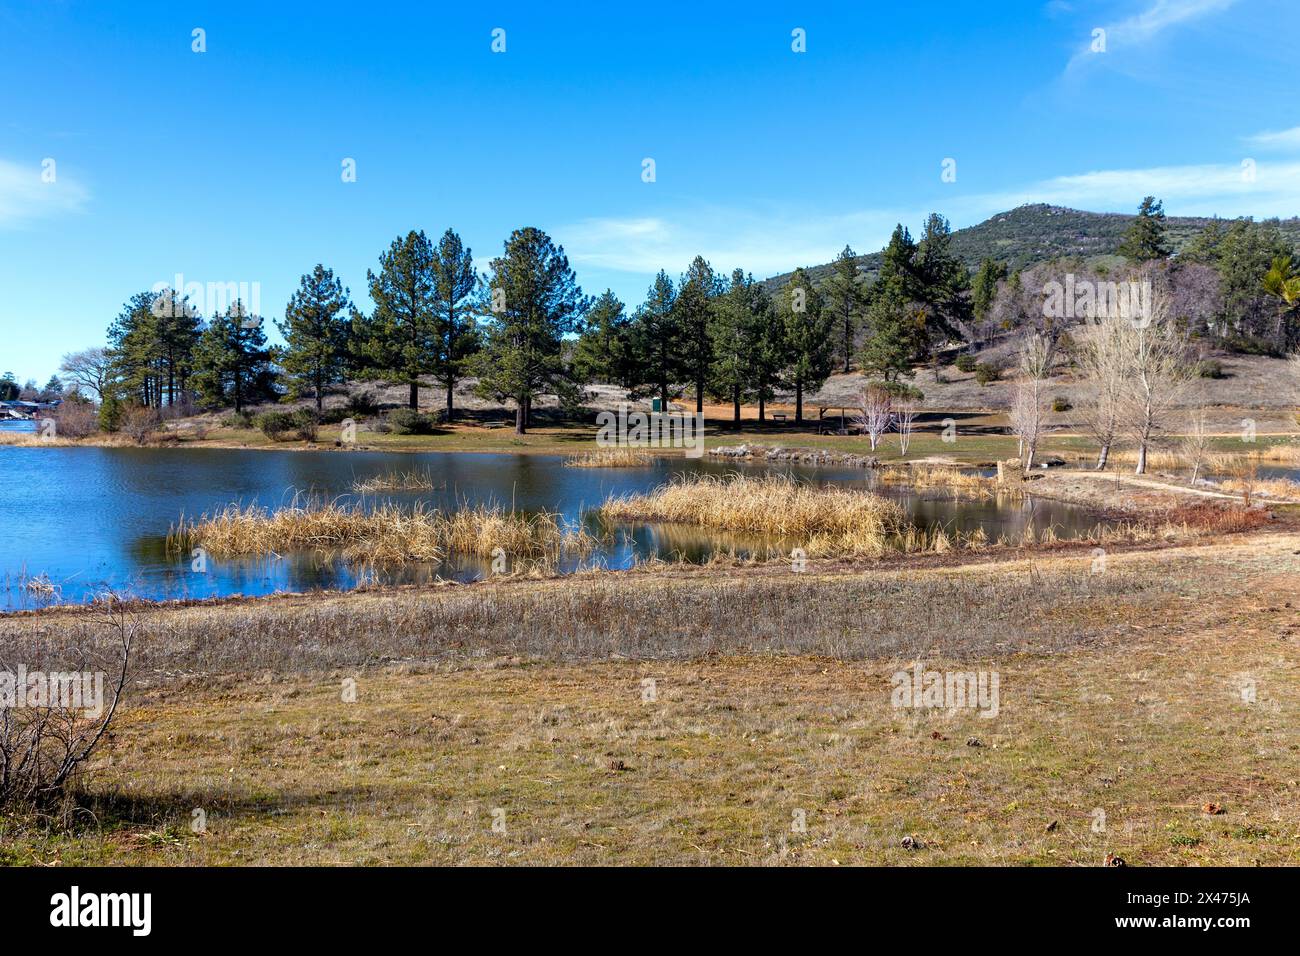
1039	232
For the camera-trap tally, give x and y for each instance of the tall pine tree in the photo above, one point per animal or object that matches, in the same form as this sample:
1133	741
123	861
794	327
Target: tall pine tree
454	285
657	341
534	302
696	295
232	364
808	337
315	330
604	349
400	340
734	332
1147	236
844	301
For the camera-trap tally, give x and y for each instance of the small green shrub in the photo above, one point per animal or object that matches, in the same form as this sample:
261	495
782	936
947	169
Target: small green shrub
1209	368
280	426
362	405
306	422
985	373
407	421
276	425
965	363
1061	404
237	420
110	414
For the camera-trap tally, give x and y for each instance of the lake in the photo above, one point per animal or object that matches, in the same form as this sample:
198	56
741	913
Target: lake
95	518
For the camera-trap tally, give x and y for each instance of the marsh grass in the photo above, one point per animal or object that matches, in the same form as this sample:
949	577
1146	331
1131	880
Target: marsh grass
826	521
931	477
397	481
611	458
385	533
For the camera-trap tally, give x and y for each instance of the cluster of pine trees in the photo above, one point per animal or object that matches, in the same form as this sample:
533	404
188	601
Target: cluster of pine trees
435	318
733	340
524	329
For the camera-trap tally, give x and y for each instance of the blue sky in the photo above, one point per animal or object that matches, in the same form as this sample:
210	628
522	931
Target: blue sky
224	166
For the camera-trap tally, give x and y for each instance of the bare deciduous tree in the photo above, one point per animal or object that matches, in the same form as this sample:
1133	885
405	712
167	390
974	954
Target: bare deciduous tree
1196	443
1158	373
88	371
1028	412
876	412
1104	361
905	421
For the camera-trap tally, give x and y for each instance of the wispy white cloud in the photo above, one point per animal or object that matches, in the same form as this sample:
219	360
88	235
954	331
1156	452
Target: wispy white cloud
1246	188
773	241
764	242
25	196
1137	31
1288	139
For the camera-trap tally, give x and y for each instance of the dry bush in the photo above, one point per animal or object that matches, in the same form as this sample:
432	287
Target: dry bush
1216	517
75	420
140	424
46	742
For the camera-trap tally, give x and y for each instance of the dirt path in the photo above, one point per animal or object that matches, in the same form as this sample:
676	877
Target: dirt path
1136	481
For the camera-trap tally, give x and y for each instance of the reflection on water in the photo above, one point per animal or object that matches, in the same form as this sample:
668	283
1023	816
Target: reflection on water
90	518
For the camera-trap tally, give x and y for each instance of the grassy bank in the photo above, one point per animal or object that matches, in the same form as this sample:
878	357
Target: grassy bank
695	717
980	439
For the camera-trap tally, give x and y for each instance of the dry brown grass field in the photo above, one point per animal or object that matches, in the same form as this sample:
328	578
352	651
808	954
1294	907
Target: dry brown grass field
724	715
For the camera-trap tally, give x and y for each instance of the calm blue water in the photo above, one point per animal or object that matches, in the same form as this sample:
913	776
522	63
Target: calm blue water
90	518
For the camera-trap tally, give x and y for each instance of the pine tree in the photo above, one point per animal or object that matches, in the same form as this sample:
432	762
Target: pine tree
898	340
132	347
534	302
232	364
942	278
315	330
454	285
696	295
896	335
984	291
603	352
1146	238
399	342
657	339
844	301
733	334
807	337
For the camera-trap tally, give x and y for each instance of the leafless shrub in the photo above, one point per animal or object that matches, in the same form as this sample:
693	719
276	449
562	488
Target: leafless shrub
48	727
140	424
75	420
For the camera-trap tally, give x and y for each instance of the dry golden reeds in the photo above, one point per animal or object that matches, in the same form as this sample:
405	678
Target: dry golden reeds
397	481
382	534
933	477
825	521
621	457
